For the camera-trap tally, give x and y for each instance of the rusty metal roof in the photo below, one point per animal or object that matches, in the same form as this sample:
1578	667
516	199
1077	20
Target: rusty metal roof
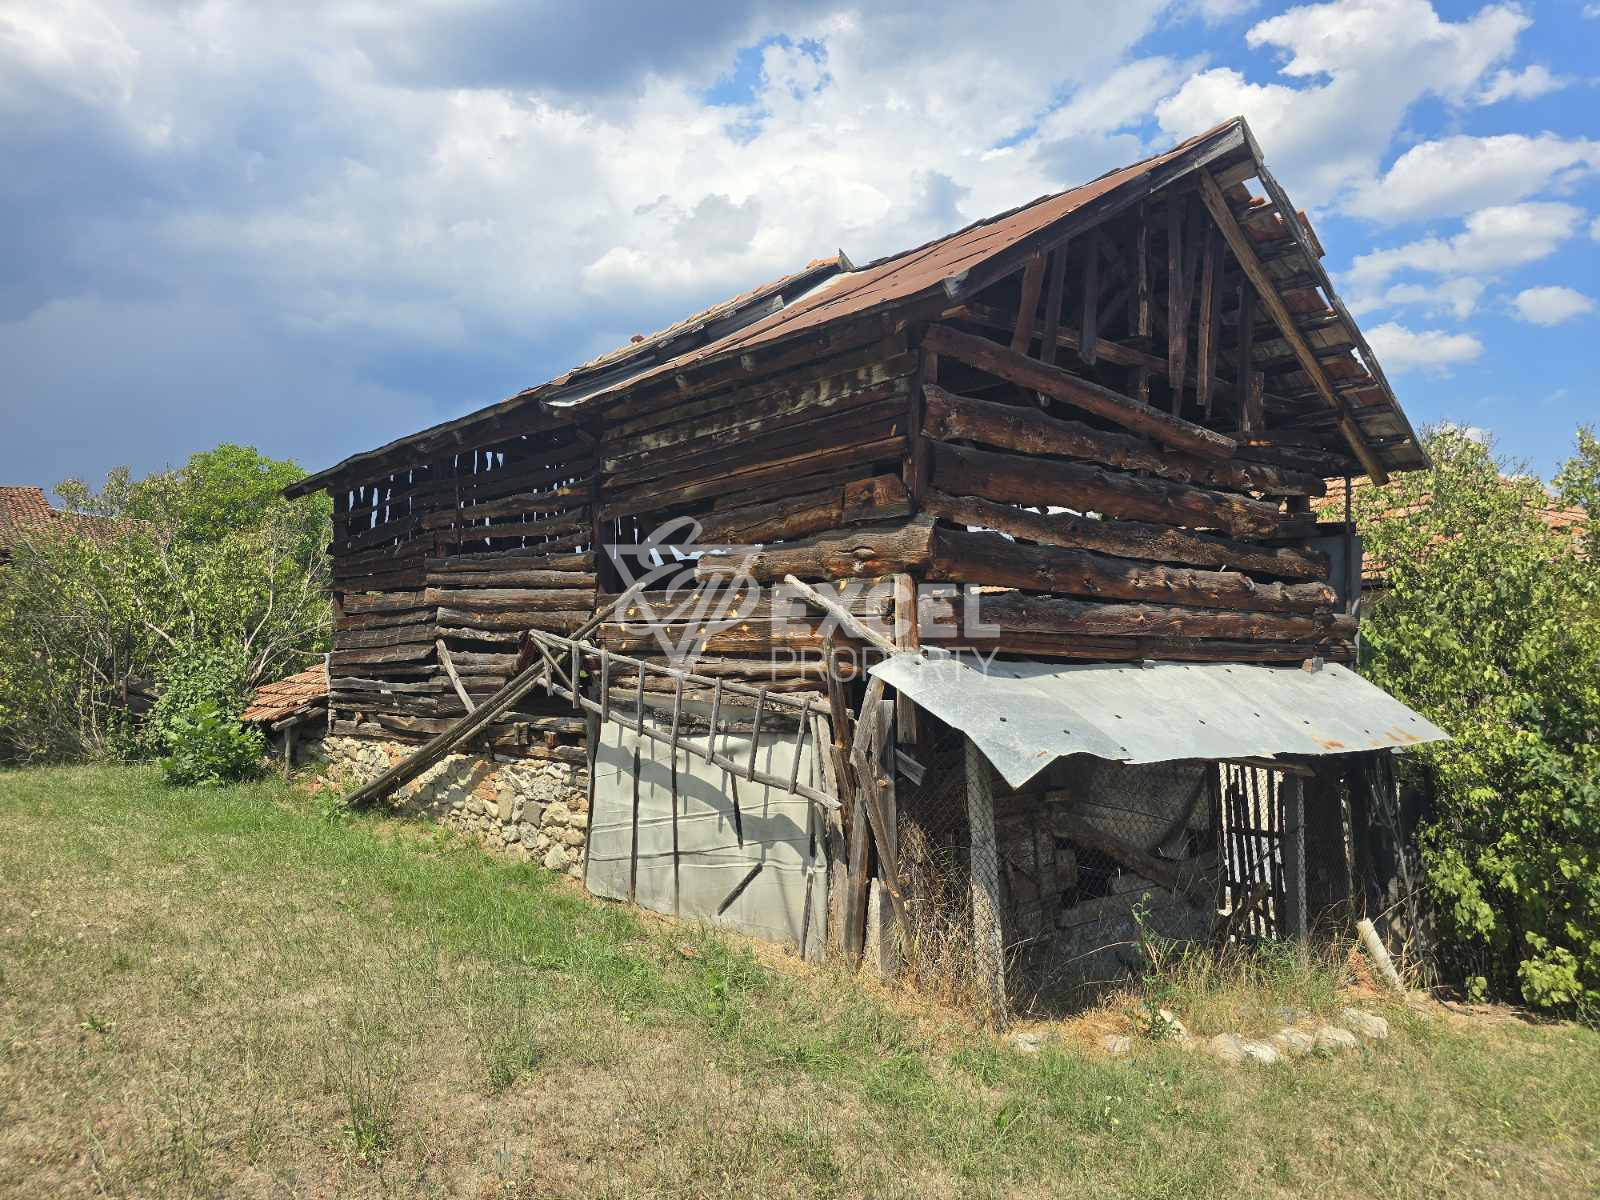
1025	715
955	267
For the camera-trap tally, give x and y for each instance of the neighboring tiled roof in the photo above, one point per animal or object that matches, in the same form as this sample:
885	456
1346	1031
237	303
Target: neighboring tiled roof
1556	516
22	508
275	701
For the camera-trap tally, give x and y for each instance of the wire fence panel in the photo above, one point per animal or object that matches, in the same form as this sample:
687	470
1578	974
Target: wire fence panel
1093	862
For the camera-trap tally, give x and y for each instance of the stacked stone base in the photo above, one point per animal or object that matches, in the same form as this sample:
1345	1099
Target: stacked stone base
530	809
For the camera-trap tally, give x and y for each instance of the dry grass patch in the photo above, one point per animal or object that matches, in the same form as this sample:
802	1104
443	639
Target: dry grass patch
225	994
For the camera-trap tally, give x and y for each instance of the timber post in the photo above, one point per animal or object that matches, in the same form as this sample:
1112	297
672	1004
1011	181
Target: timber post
988	940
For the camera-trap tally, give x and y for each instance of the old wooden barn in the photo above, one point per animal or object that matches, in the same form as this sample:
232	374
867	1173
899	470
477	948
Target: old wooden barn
942	606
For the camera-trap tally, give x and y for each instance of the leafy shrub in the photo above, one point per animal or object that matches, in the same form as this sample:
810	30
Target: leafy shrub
209	747
1490	626
134	586
196	678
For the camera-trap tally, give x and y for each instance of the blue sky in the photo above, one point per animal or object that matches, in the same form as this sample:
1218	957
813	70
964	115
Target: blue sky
315	226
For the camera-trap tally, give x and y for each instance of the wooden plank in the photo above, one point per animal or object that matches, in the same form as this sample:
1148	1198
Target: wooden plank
1244	350
1244	251
1092	397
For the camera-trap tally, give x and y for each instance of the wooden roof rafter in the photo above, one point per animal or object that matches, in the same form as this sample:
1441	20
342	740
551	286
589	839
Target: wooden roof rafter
1268	296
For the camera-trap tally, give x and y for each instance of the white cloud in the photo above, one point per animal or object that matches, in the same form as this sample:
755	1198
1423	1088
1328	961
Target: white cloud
1493	239
1355	67
1528	84
1454	175
1473	433
1594	229
1400	349
1551	305
1456	297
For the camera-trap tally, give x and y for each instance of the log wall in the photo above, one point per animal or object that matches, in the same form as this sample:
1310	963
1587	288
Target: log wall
453	559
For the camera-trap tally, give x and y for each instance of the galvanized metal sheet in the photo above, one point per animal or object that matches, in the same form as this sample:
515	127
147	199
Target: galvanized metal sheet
1025	715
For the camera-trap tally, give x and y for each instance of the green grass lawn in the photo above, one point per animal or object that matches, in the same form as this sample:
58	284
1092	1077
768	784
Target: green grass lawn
225	994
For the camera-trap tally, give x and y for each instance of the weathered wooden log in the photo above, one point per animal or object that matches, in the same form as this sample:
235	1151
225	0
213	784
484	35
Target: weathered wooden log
883	445
875	499
966	618
555	620
383	654
520	559
512	579
949	417
865	551
355	683
814	434
747	637
553	527
731	427
1129	539
1015	479
383	604
705	602
517	504
1096	648
1009	365
381	620
988	558
398	635
849	374
510	599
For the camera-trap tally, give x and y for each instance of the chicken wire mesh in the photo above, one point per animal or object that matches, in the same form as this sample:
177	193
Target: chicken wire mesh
1087	862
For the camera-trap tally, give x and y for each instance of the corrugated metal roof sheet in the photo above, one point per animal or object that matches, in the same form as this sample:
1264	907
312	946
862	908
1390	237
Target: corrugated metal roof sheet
1025	715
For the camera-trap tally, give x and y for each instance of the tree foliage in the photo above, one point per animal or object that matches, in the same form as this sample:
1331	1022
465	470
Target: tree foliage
202	580
1490	625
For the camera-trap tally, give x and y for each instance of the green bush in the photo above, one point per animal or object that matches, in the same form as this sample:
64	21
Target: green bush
1490	626
208	747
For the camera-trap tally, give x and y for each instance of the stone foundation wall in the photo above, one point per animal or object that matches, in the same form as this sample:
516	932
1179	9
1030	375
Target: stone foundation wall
531	809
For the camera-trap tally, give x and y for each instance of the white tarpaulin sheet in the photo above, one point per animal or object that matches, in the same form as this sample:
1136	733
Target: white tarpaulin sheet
1025	715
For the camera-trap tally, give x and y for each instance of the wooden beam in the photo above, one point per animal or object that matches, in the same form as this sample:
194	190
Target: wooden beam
1019	479
1206	348
1089	316
1082	393
952	418
868	551
1028	309
846	619
988	558
1244	250
1129	539
1053	302
1141	300
983	872
1177	323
